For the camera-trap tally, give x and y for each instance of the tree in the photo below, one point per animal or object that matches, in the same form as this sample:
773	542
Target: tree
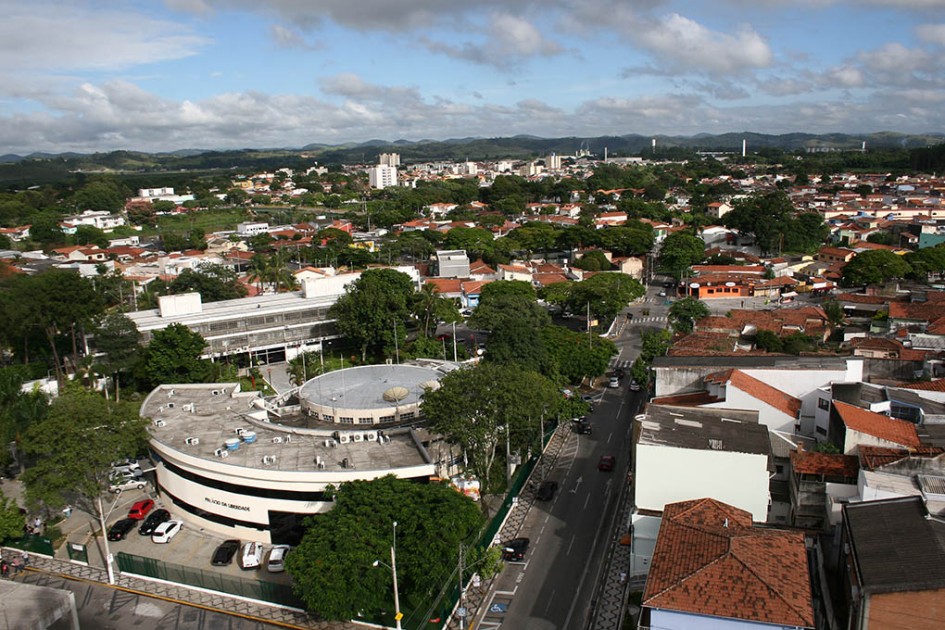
213	283
89	234
374	309
507	306
874	267
429	307
768	341
805	233
118	337
332	566
473	403
594	260
764	215
575	355
679	252
44	229
100	196
173	356
11	521
72	447
605	294
684	313
927	263
834	312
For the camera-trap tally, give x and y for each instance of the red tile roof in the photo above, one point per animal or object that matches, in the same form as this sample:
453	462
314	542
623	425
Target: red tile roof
766	393
926	386
709	560
813	463
919	311
878	425
873	457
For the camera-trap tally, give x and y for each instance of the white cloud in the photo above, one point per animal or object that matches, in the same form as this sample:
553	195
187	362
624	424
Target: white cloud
932	33
683	44
508	40
43	36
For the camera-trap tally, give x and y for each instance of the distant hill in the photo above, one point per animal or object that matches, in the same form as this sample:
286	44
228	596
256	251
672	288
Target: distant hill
40	167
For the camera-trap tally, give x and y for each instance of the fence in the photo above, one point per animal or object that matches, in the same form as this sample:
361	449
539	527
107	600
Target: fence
32	544
272	592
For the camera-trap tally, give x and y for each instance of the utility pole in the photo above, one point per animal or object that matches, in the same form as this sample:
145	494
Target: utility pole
454	342
462	592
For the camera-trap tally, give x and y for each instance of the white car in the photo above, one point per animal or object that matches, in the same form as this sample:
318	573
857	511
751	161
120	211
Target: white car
119	484
634	386
166	530
251	555
127	469
276	562
614	382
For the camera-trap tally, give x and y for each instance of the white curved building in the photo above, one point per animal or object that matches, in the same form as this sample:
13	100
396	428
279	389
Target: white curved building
370	394
221	463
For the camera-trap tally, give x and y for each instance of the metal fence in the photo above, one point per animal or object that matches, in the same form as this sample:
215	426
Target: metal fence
275	593
32	544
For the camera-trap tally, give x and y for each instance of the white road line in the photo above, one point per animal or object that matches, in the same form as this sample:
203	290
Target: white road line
570	544
587	500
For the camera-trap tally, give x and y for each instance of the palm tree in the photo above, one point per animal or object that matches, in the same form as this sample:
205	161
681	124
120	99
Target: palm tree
259	270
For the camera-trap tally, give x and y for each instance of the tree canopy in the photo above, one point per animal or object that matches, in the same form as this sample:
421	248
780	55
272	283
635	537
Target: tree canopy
374	309
680	251
212	282
684	313
606	294
332	567
173	356
874	266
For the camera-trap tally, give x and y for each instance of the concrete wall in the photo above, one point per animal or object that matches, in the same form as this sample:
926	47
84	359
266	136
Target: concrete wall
771	417
667	474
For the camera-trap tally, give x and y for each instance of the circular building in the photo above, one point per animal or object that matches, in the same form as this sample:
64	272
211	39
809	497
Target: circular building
369	394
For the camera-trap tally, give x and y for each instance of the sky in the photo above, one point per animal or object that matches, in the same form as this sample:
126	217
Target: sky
163	75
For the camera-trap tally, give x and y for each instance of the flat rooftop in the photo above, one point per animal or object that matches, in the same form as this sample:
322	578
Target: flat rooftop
730	430
211	413
363	387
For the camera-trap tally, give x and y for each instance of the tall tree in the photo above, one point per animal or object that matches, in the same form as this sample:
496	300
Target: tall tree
576	355
374	309
213	283
118	337
429	307
684	313
332	567
173	356
680	251
874	267
765	215
605	294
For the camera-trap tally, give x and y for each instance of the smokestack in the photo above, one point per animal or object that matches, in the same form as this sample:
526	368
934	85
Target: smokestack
605	154
654	144
863	148
744	147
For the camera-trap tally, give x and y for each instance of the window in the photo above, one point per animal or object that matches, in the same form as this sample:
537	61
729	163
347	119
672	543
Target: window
779	469
365	420
821	431
386	418
328	418
408	416
823	403
346	420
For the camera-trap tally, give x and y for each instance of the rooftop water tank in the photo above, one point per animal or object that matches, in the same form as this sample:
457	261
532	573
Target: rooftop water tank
249	436
232	444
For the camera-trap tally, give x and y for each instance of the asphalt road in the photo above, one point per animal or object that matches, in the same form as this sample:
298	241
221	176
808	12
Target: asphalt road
554	588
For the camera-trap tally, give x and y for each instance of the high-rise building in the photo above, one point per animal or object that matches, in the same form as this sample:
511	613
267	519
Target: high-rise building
382	176
389	159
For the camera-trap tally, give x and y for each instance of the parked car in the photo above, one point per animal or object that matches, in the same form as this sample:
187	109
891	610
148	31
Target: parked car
514	550
662	292
276	561
251	556
613	382
166	530
223	554
120	528
120	484
546	490
154	519
620	373
140	509
127	469
634	386
606	463
581	425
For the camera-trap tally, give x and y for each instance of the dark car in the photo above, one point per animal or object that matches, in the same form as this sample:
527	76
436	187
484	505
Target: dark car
581	425
606	463
154	519
546	490
620	373
514	550
223	555
120	529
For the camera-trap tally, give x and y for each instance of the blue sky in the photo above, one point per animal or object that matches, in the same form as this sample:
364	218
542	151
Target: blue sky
98	75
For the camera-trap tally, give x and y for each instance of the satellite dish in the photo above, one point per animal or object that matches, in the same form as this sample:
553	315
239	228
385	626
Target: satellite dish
430	386
395	394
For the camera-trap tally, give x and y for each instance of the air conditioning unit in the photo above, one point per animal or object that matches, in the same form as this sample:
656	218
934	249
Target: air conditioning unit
239	431
321	465
192	441
371	436
357	437
170	405
288	439
215	392
277	440
269	460
222	453
159	423
190	407
344	438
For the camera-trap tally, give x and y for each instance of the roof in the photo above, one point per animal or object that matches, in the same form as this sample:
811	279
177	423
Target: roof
928	386
764	392
896	547
830	465
709	560
917	311
709	429
877	425
873	457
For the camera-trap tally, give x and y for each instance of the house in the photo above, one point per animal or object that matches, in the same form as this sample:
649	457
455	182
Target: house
851	426
888	473
819	485
736	389
681	453
515	272
712	568
892	571
452	263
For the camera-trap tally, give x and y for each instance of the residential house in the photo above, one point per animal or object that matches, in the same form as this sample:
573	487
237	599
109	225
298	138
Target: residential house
452	263
820	483
887	473
713	569
892	567
851	426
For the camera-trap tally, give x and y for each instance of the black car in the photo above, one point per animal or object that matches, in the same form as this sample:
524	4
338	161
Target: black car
514	550
223	555
120	528
546	490
154	519
581	426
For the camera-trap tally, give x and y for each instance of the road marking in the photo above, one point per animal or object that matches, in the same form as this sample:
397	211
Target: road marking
570	544
577	484
587	500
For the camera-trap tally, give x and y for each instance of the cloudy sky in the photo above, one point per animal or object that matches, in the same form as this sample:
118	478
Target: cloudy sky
96	75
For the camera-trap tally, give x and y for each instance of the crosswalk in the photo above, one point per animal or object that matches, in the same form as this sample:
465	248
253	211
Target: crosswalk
648	319
616	363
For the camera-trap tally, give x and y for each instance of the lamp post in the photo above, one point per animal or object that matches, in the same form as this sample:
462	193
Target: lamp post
393	569
101	518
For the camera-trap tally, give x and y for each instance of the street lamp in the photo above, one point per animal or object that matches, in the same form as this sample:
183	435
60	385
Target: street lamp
393	569
101	517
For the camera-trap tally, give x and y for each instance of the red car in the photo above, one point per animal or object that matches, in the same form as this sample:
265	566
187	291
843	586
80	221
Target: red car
606	463
140	509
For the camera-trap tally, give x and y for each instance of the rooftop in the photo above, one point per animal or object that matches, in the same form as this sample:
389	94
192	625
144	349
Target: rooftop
364	387
709	560
896	546
197	421
730	430
878	425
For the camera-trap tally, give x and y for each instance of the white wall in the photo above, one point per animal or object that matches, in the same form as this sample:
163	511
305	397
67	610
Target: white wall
645	531
670	620
666	475
852	439
771	417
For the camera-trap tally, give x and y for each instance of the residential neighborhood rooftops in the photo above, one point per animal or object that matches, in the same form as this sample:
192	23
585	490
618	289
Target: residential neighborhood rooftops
877	425
709	560
733	430
826	464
